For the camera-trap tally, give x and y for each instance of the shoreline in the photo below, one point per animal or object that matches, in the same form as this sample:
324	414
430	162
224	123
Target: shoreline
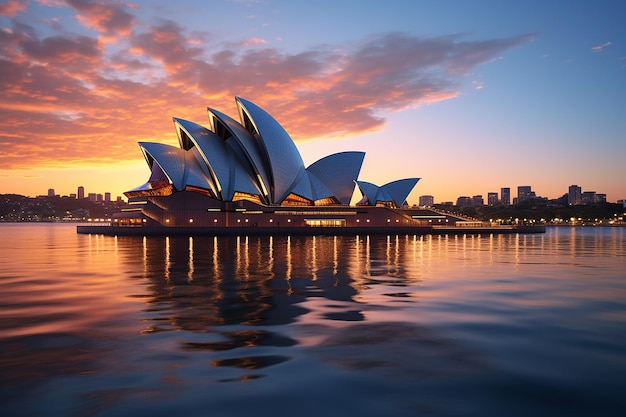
305	231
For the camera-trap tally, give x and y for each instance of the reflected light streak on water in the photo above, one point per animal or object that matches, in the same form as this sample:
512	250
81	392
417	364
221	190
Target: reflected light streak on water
325	325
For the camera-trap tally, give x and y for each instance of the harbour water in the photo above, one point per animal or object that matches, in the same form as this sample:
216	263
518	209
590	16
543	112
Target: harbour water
467	325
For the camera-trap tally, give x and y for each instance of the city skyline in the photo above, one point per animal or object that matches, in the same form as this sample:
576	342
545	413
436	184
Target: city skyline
465	96
501	196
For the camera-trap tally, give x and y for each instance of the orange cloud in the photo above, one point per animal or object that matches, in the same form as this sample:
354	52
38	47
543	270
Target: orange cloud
105	16
254	41
68	98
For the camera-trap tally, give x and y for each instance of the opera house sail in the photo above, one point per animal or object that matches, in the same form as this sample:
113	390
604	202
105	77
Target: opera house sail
248	176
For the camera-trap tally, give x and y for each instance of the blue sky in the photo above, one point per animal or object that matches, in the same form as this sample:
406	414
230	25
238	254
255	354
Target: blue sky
470	96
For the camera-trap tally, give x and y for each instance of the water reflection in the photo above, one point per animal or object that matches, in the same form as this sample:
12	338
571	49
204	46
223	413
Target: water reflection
244	280
121	319
198	282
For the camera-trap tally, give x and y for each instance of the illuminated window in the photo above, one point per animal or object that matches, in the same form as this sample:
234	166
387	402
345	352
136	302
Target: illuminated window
296	200
247	197
325	222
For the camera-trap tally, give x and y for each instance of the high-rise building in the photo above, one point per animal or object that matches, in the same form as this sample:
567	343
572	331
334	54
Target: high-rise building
574	196
107	197
478	201
464	201
81	192
92	197
426	201
492	199
588	197
524	192
50	192
505	194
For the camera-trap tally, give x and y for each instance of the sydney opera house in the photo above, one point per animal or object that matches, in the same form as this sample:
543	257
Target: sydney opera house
248	176
249	173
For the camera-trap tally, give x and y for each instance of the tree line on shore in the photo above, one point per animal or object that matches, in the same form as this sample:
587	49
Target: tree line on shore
542	210
14	207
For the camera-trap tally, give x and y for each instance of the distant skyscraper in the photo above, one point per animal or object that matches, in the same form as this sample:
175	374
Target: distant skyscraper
426	201
477	201
505	194
492	199
107	196
464	201
524	192
92	197
81	192
588	197
574	195
50	192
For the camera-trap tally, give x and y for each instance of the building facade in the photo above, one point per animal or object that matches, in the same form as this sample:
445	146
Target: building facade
505	195
524	192
574	195
250	173
426	201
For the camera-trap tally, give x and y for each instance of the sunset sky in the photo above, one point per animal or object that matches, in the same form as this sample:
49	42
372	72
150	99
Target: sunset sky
470	96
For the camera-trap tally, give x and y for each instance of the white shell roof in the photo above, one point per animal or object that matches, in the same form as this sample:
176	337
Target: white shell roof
170	158
212	151
245	146
399	190
285	163
337	172
303	188
198	174
258	157
395	191
225	169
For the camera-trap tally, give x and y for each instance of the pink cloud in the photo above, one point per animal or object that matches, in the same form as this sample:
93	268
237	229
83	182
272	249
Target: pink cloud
599	48
12	7
254	41
165	42
65	98
108	17
60	49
